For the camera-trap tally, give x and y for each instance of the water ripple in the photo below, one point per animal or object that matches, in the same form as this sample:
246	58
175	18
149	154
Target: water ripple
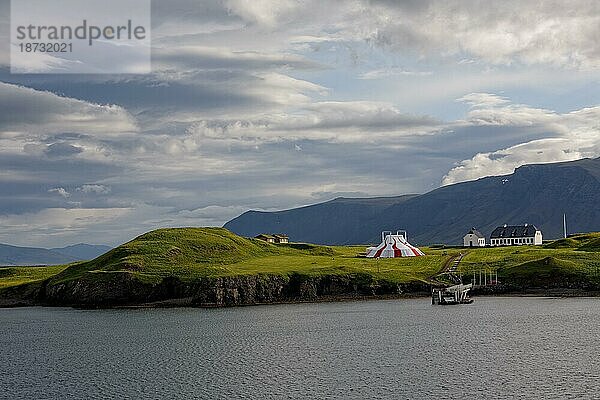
496	348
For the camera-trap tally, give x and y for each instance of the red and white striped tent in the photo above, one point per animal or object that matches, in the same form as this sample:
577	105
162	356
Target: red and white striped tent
393	246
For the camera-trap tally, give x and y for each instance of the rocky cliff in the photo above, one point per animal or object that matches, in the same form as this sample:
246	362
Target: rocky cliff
123	289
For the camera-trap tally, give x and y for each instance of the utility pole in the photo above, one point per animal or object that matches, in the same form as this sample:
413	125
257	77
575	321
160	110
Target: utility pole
565	225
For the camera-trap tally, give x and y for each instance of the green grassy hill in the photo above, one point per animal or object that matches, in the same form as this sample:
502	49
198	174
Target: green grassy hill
563	261
15	276
584	242
185	252
545	272
190	254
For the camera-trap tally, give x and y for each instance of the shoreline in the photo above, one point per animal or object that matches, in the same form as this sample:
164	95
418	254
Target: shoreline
188	302
225	270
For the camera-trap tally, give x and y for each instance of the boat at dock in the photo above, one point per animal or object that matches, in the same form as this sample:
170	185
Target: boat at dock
457	294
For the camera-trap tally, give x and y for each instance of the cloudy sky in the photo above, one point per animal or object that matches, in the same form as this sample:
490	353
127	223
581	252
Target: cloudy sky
256	104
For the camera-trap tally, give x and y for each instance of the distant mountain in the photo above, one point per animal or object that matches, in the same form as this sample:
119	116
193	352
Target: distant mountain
15	255
537	194
338	221
82	251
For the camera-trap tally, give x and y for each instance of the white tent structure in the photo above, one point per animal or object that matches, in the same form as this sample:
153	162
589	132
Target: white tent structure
393	246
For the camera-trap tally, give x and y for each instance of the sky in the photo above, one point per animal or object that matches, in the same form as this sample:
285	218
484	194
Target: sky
269	105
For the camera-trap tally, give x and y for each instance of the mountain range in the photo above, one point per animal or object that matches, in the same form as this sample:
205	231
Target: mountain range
16	255
536	194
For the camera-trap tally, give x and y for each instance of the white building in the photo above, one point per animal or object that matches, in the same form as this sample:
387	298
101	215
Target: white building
516	235
474	238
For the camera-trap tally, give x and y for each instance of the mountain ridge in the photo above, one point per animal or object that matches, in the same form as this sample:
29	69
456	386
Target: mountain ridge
538	194
82	251
26	256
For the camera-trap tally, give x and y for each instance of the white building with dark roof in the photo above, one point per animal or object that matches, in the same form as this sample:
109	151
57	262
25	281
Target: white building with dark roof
516	235
474	238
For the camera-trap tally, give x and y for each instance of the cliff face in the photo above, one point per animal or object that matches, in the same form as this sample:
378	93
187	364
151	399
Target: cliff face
122	289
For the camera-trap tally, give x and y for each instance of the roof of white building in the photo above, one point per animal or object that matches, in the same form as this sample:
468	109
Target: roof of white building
514	231
475	232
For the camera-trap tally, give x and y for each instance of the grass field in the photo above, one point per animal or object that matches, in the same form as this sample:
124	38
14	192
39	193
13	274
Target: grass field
577	256
14	276
192	253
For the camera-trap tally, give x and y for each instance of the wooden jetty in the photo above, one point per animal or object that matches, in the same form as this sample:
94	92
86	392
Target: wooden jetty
457	294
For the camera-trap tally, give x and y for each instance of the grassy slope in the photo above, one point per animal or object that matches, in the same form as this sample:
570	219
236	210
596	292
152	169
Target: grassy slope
574	258
13	276
191	253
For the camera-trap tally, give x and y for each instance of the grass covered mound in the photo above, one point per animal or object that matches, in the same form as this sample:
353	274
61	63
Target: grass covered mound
192	253
163	252
548	271
567	243
14	276
184	246
583	242
591	245
564	262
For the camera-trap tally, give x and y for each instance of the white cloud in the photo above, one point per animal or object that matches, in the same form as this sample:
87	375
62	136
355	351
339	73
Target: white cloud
213	58
390	72
501	32
33	111
328	121
61	192
484	100
39	63
96	189
493	110
576	135
265	13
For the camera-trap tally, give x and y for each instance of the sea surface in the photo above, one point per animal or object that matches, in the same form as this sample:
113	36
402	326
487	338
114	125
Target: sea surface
495	348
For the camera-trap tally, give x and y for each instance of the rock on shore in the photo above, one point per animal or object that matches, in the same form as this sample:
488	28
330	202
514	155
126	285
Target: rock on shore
123	289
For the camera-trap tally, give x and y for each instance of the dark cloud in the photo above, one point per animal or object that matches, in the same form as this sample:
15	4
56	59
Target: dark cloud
201	91
57	150
201	58
32	168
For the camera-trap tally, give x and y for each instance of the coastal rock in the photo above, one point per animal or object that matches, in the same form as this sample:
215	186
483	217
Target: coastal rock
124	289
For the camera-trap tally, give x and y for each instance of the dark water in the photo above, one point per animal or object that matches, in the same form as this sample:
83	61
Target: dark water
528	348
